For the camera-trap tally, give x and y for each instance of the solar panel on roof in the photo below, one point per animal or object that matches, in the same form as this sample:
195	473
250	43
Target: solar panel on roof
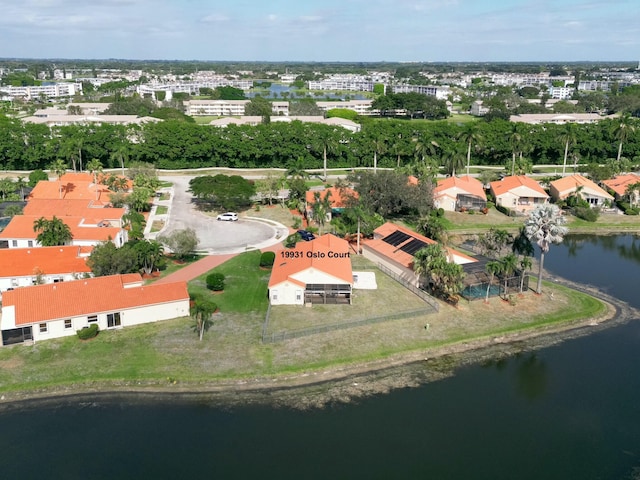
413	246
396	238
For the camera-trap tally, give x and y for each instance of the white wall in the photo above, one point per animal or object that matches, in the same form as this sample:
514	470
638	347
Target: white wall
29	280
286	293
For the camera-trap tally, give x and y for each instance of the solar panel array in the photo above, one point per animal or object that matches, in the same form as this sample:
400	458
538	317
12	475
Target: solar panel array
396	238
413	246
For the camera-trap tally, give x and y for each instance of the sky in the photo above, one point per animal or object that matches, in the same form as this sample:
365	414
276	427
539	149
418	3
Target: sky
323	30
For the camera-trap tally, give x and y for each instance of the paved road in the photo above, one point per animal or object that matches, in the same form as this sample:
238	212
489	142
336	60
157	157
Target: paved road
218	237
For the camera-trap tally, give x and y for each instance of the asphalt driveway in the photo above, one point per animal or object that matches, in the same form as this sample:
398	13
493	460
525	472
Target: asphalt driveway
217	236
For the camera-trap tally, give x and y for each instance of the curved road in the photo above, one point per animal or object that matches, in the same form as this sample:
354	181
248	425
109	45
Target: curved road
217	237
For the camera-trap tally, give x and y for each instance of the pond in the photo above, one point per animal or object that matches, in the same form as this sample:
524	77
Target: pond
565	412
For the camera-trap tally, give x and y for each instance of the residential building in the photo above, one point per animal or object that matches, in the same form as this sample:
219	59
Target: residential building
55	310
394	246
361	107
62	120
518	193
457	193
318	271
559	118
478	108
583	187
338	199
22	267
620	184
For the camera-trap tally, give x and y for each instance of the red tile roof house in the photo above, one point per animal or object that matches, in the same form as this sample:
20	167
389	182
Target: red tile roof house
318	271
562	188
19	233
394	246
619	186
454	193
22	267
338	199
60	309
518	193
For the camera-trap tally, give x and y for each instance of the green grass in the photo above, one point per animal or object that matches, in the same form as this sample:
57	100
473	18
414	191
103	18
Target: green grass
157	225
162	210
245	285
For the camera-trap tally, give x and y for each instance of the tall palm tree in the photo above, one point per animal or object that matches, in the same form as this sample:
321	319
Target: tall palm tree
509	266
525	264
622	131
568	137
326	143
544	227
59	167
52	232
516	140
95	167
379	147
453	160
121	155
493	268
201	312
470	135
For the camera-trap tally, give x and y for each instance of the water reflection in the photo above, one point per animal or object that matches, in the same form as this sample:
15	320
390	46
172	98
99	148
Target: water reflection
531	377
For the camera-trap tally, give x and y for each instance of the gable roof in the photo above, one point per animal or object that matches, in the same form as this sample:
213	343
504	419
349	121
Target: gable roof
510	183
24	262
21	227
89	210
620	183
567	185
465	184
407	243
327	253
70	190
53	301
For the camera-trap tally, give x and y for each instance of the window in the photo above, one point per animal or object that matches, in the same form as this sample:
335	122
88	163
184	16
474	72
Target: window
43	327
57	280
14	282
30	243
113	320
67	323
14	243
298	295
274	294
92	318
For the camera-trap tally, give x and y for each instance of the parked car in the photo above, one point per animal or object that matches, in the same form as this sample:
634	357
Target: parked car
306	235
228	217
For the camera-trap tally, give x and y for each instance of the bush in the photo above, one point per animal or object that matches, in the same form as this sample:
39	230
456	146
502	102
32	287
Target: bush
586	213
267	259
215	281
297	222
87	333
291	240
506	211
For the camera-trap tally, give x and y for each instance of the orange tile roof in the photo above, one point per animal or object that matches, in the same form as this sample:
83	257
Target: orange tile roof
338	197
24	262
567	185
394	253
509	183
70	190
328	254
466	184
77	177
72	208
620	183
21	227
53	301
412	180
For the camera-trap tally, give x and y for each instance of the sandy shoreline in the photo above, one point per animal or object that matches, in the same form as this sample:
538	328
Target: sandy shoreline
341	383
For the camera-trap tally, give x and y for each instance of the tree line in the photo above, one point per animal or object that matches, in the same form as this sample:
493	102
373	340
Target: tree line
380	143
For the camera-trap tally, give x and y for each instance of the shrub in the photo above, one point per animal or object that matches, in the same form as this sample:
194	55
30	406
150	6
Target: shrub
267	259
87	333
297	222
586	213
291	240
506	211
215	281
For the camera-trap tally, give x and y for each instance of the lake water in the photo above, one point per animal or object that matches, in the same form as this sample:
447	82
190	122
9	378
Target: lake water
570	411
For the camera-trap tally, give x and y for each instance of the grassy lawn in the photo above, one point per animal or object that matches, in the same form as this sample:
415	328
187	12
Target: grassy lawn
245	285
157	225
173	266
162	210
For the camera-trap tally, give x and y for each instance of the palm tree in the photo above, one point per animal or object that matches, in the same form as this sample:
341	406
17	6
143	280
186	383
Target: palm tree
632	192
470	135
622	131
525	264
326	143
321	208
516	141
95	167
493	268
379	147
568	137
52	232
201	311
59	167
121	154
453	160
509	266
544	227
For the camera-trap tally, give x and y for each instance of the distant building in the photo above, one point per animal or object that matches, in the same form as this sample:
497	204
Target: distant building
559	118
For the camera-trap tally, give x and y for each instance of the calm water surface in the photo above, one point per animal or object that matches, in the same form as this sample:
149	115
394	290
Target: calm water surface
566	412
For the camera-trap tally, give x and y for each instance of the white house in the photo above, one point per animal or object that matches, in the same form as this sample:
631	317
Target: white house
587	190
57	310
518	193
22	267
318	271
456	193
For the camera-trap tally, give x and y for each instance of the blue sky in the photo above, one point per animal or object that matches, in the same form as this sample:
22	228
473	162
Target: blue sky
323	30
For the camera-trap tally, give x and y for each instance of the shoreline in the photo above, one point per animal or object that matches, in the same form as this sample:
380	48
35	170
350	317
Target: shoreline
338	383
